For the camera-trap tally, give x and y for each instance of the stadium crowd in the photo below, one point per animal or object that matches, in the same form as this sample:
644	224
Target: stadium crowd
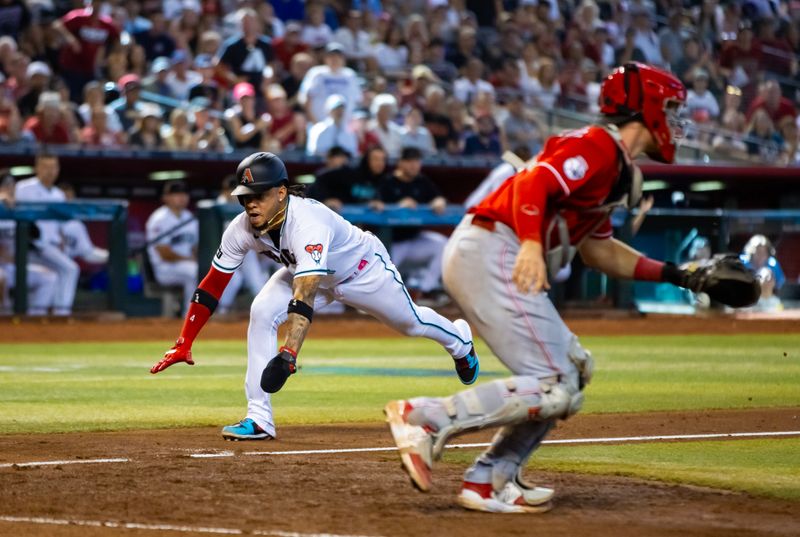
457	77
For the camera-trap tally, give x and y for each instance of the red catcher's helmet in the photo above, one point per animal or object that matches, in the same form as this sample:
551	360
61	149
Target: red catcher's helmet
643	93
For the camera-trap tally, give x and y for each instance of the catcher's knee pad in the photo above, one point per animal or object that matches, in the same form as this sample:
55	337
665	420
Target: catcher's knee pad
582	359
502	402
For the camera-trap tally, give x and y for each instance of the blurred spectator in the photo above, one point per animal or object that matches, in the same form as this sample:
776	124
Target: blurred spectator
438	123
207	131
645	39
354	40
41	281
290	44
544	90
10	118
391	51
740	59
763	141
466	48
701	106
180	79
48	125
382	128
496	177
315	32
209	43
759	255
414	134
93	97
323	81
38	78
208	86
244	57
186	28
332	131
178	134
729	141
770	99
299	66
412	93
521	128
485	141
85	33
341	185
466	87
77	242
47	249
172	236
128	105
629	50
156	40
436	60
15	18
777	55
670	38
409	189
157	81
146	132
732	99
248	129
96	133
788	129
288	128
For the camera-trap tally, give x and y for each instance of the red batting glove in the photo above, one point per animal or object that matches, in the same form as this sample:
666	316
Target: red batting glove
180	352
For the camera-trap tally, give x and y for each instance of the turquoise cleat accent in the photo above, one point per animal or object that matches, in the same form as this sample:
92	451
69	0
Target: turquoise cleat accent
246	429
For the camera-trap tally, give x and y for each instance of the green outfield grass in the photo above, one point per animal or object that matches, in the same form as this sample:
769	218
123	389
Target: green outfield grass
90	386
761	467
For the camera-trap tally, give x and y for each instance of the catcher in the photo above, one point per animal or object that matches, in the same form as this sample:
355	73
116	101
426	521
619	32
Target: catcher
497	264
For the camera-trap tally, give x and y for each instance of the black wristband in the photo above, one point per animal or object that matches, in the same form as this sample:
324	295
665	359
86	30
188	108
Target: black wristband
301	308
203	297
674	275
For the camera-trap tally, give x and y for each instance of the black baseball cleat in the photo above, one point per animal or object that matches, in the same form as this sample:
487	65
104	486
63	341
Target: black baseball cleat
467	367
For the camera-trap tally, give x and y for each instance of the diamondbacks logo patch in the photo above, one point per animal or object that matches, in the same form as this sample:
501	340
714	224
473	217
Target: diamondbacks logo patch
316	252
575	168
247	177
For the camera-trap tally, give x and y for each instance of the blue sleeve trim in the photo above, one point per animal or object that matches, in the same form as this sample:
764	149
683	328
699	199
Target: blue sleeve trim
225	269
312	271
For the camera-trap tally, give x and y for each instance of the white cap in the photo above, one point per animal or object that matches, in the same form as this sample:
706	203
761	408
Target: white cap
334	101
49	98
38	68
383	99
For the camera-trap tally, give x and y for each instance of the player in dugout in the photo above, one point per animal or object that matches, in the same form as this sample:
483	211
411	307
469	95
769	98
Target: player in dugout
497	265
325	258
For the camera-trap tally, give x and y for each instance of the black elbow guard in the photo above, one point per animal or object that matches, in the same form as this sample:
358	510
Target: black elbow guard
301	308
203	297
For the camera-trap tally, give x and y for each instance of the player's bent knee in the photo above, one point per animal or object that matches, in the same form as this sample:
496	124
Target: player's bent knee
559	402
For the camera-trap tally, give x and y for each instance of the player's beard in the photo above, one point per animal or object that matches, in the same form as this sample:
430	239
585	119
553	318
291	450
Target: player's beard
273	222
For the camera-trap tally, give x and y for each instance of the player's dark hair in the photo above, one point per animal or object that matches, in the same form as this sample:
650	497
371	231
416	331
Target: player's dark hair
45	154
297	190
338	151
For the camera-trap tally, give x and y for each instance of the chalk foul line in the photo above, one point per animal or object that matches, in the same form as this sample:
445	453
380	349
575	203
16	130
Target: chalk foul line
162	527
59	463
566	441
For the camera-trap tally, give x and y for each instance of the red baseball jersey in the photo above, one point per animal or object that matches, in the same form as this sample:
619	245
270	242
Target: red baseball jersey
572	177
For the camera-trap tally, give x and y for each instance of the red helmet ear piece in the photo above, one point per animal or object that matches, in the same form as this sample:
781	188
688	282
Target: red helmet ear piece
643	93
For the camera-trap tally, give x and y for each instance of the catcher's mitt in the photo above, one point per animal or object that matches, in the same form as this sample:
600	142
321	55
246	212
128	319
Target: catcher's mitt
724	278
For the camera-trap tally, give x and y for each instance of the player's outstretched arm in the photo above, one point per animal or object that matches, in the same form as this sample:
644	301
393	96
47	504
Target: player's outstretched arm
300	313
204	302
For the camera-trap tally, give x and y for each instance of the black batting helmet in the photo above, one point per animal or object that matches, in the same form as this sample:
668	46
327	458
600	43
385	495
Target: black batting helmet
258	173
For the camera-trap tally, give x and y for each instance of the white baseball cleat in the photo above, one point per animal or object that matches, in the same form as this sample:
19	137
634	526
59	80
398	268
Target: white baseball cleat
413	442
532	494
481	497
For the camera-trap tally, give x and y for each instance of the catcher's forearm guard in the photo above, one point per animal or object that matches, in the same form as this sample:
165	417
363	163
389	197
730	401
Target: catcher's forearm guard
724	278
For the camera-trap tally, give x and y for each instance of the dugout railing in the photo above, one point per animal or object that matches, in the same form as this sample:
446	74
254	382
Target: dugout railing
112	212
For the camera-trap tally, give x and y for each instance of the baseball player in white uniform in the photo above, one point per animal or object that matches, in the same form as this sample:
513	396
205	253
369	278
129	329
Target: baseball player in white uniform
48	248
172	233
41	280
325	258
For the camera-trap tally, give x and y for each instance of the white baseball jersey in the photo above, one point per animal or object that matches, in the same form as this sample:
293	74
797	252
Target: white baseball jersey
320	83
313	240
8	230
33	190
182	241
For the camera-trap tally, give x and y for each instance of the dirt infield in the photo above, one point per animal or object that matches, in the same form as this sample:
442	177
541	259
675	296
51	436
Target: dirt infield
53	331
358	493
158	489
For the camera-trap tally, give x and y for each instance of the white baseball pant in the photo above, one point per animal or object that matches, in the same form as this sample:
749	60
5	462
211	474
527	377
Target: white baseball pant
67	272
41	287
427	248
377	289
